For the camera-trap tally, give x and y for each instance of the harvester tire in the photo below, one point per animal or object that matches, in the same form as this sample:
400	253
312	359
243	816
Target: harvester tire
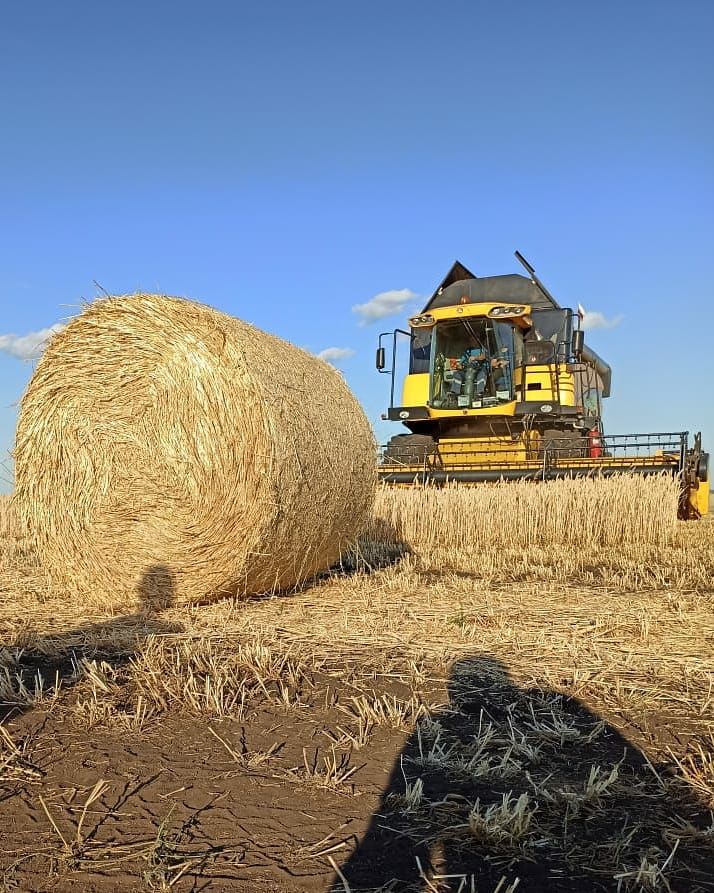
563	444
410	449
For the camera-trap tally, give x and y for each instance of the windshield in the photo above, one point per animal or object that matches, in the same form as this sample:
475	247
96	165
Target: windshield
550	337
473	363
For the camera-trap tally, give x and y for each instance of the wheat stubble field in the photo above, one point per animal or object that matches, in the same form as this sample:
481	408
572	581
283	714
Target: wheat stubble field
507	687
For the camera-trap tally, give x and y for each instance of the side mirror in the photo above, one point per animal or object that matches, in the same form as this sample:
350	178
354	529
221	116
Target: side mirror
578	343
381	360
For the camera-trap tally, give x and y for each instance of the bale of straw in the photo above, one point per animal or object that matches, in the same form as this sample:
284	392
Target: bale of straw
162	444
7	519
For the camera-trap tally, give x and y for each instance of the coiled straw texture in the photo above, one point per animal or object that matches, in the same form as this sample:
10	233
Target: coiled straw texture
167	450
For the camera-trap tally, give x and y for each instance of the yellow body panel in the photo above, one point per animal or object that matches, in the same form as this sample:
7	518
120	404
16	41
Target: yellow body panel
483	309
542	383
415	390
700	498
484	452
502	409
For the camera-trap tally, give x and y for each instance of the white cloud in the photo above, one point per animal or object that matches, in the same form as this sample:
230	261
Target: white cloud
30	346
593	319
335	354
386	303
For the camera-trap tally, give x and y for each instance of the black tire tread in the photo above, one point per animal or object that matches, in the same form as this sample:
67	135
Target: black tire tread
410	449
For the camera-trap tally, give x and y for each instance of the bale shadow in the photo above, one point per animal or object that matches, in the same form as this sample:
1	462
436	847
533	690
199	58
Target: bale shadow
517	786
380	548
55	659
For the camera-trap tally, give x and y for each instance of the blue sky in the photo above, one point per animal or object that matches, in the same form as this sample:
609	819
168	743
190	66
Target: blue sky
285	162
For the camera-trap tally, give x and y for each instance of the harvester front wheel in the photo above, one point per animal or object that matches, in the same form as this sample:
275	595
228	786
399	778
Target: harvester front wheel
410	449
563	444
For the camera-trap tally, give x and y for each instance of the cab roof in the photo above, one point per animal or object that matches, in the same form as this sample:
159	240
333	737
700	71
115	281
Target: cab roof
510	288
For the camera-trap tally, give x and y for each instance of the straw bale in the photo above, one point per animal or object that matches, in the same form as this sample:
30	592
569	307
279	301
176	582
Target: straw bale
163	445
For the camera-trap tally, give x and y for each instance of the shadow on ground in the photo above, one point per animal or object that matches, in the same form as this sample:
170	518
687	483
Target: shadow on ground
56	658
528	786
382	548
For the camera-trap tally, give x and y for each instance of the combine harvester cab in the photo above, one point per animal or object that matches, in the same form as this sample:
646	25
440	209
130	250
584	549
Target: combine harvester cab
501	386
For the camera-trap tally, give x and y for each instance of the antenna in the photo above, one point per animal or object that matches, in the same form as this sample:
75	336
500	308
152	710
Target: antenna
525	263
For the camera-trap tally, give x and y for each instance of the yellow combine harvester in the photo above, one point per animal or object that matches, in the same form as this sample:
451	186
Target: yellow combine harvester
501	386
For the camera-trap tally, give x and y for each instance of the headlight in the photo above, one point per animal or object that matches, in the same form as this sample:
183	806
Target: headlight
425	320
507	310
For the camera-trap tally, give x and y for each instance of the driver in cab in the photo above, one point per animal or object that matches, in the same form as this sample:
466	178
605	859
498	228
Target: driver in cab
477	359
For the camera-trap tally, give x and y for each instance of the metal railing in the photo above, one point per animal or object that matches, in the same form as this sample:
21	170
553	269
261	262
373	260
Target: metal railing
565	454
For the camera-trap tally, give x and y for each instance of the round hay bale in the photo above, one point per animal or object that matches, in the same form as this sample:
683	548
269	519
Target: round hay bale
168	450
